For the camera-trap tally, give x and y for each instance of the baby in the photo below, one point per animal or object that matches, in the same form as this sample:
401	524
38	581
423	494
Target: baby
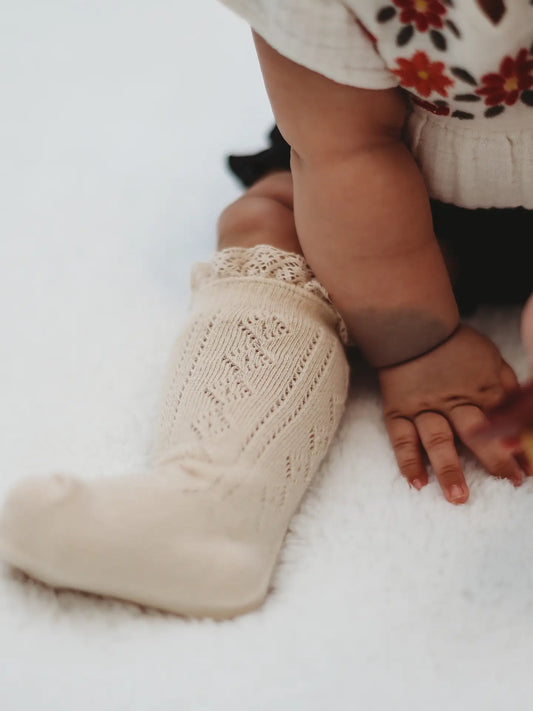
409	123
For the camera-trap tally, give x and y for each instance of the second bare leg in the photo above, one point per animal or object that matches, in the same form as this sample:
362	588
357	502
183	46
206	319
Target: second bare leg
263	215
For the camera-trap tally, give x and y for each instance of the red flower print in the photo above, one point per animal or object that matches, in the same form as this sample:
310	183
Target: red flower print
423	13
515	77
422	74
439	109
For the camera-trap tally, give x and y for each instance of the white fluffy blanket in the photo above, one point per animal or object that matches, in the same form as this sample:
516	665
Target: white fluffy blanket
115	119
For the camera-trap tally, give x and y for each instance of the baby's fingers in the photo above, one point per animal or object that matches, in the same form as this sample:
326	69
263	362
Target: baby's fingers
404	439
495	457
437	439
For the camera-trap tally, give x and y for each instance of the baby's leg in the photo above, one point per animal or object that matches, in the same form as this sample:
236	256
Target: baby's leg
254	393
263	215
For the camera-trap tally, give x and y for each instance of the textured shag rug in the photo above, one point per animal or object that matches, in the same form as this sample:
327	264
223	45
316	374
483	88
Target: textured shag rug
115	121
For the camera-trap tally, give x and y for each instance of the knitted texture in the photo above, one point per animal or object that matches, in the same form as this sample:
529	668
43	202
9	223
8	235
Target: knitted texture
260	261
253	395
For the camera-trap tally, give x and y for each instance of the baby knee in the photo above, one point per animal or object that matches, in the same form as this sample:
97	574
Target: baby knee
253	220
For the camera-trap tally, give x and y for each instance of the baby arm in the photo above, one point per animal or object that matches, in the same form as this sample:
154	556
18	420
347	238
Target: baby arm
363	219
361	210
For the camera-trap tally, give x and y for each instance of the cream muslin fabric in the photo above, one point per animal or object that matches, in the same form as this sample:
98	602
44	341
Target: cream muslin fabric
468	81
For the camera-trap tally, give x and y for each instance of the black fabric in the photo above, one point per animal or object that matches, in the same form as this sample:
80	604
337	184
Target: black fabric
250	169
492	249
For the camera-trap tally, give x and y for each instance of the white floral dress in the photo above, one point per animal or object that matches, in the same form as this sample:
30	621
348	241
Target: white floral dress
469	80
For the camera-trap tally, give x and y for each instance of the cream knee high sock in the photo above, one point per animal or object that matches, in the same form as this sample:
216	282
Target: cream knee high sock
254	393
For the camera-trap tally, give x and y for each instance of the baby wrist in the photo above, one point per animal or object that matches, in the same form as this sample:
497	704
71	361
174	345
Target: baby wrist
418	355
389	337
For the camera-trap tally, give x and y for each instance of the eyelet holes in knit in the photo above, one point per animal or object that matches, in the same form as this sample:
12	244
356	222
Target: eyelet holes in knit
267	262
260	261
255	346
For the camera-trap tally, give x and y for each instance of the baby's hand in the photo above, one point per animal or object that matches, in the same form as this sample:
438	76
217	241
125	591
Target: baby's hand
444	393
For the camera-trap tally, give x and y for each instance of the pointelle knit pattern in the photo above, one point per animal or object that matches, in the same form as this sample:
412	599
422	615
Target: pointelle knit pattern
254	392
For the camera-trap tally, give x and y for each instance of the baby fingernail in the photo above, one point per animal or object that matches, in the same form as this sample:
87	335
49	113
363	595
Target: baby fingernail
417	483
455	492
